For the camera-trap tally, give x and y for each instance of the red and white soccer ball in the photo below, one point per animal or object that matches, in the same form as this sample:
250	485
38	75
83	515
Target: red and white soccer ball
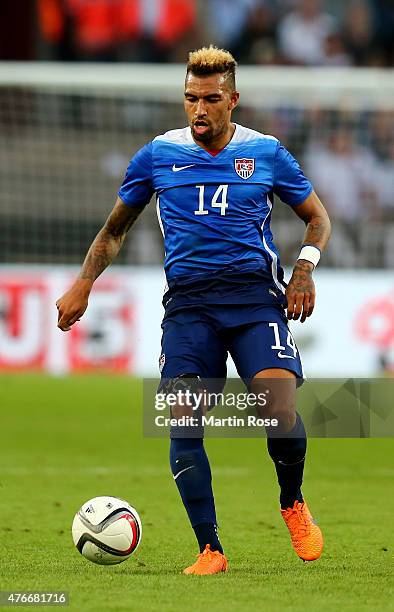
106	530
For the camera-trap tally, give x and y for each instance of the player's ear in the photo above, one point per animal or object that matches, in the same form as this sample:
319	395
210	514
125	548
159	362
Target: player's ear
233	100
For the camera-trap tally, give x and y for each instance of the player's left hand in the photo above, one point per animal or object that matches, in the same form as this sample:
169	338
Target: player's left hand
300	292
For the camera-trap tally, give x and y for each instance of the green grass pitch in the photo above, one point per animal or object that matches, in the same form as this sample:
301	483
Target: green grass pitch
64	441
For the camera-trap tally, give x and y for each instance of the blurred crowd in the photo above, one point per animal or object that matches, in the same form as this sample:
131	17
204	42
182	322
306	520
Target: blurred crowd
347	153
349	156
295	32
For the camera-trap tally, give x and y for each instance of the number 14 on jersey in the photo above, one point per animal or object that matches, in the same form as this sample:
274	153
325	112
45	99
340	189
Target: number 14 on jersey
219	200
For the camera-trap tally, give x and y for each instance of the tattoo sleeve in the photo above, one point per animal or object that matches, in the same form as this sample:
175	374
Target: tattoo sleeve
106	246
317	221
317	232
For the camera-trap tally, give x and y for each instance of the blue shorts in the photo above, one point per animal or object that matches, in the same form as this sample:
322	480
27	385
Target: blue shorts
197	340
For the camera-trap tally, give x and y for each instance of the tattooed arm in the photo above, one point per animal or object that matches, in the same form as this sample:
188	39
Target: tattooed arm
102	252
300	292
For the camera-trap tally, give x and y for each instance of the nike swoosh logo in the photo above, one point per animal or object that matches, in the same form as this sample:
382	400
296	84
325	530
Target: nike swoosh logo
176	169
282	356
185	470
294	462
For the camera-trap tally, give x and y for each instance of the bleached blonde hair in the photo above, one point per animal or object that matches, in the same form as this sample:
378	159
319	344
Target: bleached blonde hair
211	60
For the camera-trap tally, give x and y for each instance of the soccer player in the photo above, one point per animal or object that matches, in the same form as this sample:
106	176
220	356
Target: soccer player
214	183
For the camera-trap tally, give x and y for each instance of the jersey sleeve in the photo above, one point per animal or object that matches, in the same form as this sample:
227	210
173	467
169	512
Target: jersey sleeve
289	182
137	188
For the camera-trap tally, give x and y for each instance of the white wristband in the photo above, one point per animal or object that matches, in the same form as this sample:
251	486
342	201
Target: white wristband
310	253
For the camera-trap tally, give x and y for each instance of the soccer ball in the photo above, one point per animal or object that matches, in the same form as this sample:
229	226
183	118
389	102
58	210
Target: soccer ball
106	530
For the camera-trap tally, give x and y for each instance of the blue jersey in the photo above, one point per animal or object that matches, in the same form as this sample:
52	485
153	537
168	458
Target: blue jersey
215	211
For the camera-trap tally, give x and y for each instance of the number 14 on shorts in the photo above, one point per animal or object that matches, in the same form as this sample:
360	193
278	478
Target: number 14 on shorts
278	346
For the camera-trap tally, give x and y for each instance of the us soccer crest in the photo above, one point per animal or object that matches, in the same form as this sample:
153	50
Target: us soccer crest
244	167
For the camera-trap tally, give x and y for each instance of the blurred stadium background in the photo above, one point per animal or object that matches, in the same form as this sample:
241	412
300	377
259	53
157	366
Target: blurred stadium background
85	83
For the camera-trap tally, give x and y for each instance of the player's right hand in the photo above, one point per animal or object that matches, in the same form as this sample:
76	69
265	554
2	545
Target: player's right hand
73	304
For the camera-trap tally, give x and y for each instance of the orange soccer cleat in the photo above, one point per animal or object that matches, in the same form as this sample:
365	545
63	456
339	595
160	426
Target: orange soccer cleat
306	537
208	562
